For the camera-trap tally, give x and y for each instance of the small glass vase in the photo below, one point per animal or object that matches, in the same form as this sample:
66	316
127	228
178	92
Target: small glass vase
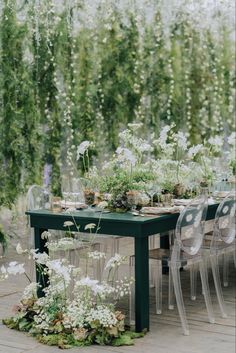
179	190
56	204
89	197
132	199
204	190
167	199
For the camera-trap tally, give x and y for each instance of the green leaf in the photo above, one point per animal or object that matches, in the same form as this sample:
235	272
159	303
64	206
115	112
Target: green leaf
123	340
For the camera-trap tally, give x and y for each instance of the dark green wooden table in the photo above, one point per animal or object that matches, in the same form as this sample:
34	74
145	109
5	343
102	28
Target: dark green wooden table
125	224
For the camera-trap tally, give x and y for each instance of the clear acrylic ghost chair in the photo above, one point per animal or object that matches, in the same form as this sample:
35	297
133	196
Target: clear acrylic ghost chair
185	252
214	242
187	249
157	257
37	198
223	243
60	246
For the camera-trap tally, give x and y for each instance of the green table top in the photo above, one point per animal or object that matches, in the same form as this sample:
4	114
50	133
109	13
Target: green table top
123	224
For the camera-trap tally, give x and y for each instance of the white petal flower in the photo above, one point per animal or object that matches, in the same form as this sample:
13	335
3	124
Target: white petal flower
15	268
134	126
181	140
3	269
96	255
19	249
194	150
60	269
217	142
125	155
30	291
232	139
163	136
90	226
68	224
82	148
46	235
116	260
40	258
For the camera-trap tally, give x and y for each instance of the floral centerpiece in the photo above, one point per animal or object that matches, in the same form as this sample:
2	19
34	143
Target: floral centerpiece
165	167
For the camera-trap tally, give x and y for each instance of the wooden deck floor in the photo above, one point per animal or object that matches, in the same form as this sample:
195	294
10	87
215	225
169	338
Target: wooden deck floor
165	335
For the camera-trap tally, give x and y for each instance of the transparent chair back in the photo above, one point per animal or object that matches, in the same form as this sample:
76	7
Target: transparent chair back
224	225
35	198
190	226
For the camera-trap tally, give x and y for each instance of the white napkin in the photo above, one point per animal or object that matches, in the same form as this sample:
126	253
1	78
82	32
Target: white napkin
68	204
182	202
162	210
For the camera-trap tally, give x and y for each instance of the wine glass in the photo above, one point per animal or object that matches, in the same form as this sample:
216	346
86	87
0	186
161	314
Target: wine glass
77	191
151	191
66	188
158	192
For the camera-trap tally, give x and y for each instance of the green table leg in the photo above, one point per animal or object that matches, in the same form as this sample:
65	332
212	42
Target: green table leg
40	244
141	284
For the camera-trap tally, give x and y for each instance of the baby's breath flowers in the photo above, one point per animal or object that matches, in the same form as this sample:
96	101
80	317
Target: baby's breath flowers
13	268
20	250
96	255
116	260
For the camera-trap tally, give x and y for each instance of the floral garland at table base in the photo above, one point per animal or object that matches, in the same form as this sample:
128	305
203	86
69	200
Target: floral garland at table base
80	338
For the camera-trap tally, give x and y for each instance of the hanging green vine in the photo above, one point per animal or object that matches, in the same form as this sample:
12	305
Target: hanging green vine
19	120
68	74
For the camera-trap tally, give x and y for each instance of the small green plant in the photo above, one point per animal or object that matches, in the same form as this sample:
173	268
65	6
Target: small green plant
3	239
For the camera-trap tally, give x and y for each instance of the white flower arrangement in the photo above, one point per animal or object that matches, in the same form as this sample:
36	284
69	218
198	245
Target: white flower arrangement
74	305
96	255
82	148
114	261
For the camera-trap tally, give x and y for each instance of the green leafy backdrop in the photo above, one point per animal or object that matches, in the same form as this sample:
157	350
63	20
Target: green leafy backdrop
67	75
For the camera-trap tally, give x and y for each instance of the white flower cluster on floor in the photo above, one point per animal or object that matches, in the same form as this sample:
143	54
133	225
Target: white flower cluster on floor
74	306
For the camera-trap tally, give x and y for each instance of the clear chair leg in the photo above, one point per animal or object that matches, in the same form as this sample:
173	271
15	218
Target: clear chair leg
216	277
206	291
171	297
115	246
158	287
225	270
179	298
132	294
151	240
193	281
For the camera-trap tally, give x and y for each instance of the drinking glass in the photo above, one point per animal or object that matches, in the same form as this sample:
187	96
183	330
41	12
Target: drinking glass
56	204
151	190
66	188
